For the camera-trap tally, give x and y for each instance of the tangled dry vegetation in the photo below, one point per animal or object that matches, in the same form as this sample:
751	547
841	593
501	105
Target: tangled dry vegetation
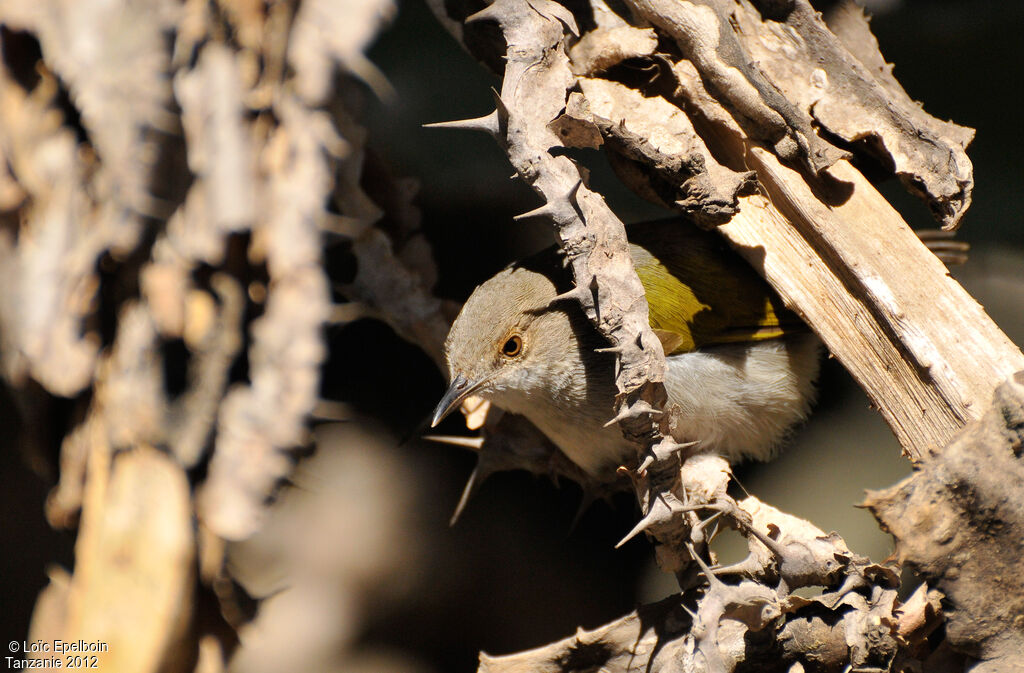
173	171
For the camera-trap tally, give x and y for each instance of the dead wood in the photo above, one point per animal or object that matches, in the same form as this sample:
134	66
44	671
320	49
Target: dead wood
173	172
959	522
725	94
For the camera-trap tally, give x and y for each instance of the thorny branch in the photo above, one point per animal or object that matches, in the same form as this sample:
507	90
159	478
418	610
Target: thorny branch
687	98
172	173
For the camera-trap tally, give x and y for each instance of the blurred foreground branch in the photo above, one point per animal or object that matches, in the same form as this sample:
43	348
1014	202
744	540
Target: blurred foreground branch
172	174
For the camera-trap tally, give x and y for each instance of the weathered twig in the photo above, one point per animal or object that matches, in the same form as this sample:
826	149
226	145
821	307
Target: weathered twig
920	346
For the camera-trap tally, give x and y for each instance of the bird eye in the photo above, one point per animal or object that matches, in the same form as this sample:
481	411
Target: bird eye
513	346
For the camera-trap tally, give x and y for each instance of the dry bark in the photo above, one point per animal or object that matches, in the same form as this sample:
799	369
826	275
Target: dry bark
172	173
959	522
721	94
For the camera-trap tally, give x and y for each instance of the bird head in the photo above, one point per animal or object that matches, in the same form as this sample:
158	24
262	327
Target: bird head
513	344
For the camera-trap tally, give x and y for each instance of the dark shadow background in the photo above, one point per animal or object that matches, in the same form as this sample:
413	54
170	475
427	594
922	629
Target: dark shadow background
958	58
513	574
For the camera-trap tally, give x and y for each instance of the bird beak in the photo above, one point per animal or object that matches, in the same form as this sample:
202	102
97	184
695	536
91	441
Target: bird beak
459	390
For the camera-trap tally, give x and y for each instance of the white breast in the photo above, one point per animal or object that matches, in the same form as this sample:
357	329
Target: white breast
740	400
737	400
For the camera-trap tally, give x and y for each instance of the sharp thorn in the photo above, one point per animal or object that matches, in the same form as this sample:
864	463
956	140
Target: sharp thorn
547	210
474	443
499	105
640	527
619	417
574	294
705	570
609	349
488	124
636	409
490	12
697	532
637	529
732	568
561	209
645	463
662	450
467	492
667	447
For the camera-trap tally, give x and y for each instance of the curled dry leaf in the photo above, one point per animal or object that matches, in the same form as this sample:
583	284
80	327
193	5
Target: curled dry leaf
660	136
599	50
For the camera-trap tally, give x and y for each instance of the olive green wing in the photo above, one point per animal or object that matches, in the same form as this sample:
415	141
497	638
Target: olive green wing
700	292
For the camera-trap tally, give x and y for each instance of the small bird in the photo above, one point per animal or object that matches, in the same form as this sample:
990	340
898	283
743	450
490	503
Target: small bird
740	366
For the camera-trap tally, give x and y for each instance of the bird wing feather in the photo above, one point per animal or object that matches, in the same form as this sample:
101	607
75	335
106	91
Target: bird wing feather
701	293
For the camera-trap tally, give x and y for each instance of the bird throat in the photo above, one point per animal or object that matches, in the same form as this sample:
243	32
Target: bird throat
572	414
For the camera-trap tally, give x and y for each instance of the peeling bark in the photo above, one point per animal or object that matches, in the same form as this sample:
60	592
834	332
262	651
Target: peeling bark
167	174
959	522
172	172
733	92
